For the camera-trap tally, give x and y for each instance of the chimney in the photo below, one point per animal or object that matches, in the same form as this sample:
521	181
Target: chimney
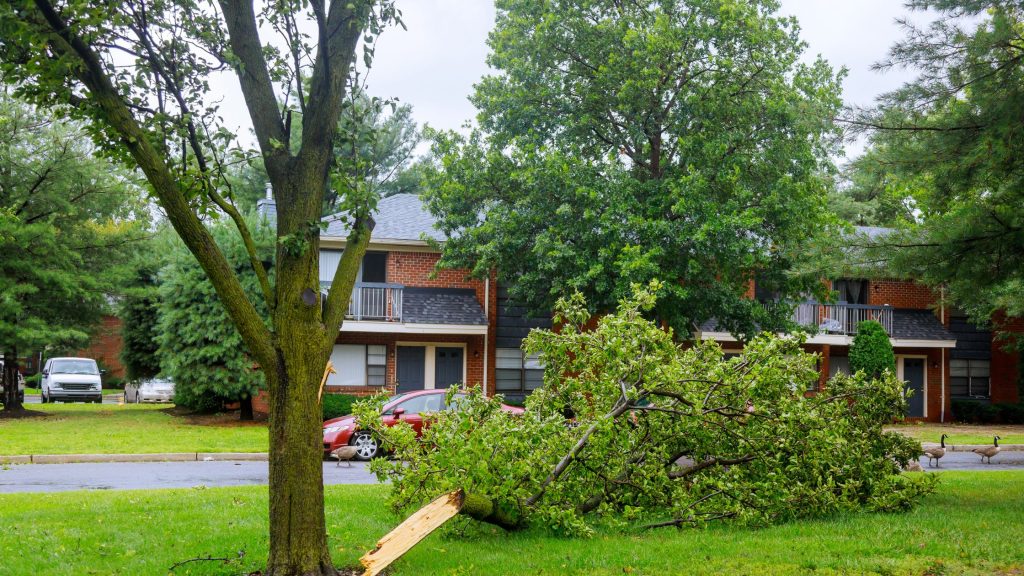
266	208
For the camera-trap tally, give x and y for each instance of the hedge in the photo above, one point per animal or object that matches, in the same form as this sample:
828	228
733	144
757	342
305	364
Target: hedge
335	405
974	412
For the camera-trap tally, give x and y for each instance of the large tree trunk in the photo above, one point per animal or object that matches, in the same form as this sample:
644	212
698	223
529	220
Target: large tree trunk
298	533
245	409
12	401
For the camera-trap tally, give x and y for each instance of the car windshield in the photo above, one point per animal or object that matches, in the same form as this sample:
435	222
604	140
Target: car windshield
158	384
74	367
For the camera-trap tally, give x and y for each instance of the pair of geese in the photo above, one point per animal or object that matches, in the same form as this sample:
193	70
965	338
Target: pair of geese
940	451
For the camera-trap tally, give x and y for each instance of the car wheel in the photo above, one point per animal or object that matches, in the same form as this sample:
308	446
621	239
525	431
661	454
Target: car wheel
42	397
366	445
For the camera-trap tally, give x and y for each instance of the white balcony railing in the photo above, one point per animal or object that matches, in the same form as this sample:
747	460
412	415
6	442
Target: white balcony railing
376	301
840	318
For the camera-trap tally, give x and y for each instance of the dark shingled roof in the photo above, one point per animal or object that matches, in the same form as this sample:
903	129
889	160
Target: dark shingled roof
398	217
910	324
441	306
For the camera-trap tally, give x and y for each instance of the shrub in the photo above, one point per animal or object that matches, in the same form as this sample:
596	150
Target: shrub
974	412
871	350
335	405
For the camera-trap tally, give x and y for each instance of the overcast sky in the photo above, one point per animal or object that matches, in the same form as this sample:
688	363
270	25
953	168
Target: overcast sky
434	64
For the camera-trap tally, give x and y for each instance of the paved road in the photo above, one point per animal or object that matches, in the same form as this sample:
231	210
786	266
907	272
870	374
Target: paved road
971	461
152	475
107	399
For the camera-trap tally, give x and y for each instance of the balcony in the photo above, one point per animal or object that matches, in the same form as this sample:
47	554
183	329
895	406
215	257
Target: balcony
841	319
376	301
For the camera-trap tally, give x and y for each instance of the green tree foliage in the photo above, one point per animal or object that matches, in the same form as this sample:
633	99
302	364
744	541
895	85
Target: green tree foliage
624	141
67	221
949	146
660	434
199	347
139	313
871	351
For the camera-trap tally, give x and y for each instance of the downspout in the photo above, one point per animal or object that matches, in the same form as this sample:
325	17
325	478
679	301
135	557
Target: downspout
487	334
942	379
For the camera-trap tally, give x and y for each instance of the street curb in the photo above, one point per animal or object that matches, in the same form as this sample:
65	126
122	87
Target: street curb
973	447
243	456
159	457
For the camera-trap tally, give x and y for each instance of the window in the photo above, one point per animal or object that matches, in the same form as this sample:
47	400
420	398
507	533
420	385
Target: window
851	291
358	365
514	373
375	266
969	378
838	364
424	403
376	364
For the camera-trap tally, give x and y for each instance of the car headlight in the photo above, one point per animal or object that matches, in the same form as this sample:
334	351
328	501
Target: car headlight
335	429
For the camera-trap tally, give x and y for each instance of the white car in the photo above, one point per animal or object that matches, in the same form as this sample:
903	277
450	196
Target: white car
149	390
21	385
71	379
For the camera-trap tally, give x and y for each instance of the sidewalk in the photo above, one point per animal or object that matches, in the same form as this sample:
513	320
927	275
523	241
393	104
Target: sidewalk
159	457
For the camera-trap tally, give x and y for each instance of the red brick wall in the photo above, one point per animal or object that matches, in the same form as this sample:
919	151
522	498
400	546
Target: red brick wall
105	347
900	294
417	268
1005	365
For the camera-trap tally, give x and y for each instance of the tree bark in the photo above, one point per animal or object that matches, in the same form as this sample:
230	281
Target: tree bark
12	402
245	412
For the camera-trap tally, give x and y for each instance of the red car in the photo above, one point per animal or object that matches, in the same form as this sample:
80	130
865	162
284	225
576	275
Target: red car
408	407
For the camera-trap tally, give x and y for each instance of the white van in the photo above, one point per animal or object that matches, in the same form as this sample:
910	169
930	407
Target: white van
71	379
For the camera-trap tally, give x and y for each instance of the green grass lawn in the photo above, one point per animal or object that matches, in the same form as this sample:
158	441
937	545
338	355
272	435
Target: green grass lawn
135	428
973	525
964	433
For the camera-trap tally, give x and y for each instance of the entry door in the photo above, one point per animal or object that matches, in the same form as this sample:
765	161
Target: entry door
409	370
913	375
448	367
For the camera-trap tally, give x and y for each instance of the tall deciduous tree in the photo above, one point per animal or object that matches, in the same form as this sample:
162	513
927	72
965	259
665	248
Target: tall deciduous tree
950	144
625	141
141	71
67	219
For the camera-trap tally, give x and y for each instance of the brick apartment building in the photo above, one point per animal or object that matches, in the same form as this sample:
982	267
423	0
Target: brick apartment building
412	327
939	353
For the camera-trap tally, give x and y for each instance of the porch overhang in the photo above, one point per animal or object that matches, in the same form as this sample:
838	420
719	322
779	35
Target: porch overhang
412	328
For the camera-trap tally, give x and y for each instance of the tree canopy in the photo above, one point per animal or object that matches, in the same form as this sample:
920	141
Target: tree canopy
947	147
67	222
620	142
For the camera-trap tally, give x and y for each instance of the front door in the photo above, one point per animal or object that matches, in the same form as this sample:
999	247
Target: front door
448	367
913	375
409	371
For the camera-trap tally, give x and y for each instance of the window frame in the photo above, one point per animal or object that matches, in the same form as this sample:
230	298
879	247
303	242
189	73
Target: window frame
970	364
527	363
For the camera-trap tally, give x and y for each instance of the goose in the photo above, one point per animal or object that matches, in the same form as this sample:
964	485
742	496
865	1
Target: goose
914	466
346	453
936	453
989	451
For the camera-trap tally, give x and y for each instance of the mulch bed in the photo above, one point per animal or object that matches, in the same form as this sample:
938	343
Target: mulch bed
221	419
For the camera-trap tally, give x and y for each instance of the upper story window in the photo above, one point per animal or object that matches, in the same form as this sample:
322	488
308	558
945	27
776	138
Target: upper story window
850	291
373	268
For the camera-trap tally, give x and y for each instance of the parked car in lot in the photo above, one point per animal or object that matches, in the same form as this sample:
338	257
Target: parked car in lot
21	385
409	407
71	379
149	390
